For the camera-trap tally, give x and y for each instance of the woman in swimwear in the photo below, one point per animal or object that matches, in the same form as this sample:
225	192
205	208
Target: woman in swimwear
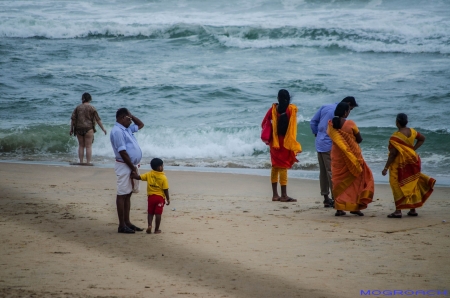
83	126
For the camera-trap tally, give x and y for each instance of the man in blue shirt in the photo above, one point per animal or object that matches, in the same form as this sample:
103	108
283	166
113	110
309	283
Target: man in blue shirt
319	125
128	156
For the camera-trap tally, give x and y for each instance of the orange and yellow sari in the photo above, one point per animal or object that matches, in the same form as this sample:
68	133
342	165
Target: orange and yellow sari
283	149
353	184
409	186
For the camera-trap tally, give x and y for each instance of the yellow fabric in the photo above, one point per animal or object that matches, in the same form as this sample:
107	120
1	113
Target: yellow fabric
156	182
290	140
415	188
281	173
347	144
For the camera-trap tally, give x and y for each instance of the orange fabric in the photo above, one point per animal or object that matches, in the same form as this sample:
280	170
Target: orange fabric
353	184
410	187
283	149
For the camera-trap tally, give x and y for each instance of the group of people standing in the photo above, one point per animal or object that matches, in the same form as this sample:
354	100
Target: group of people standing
128	155
342	166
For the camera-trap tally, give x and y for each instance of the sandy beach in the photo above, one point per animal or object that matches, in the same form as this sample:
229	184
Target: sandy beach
225	238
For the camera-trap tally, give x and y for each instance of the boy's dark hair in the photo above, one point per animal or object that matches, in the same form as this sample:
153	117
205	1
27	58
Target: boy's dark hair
350	100
155	163
121	112
402	119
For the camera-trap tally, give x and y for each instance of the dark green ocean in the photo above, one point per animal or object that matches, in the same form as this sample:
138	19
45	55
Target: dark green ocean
202	74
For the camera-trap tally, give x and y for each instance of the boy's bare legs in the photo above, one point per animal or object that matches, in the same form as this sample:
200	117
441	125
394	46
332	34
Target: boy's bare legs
80	148
150	220
157	223
275	196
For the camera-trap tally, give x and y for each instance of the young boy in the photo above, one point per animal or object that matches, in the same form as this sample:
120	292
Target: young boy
157	190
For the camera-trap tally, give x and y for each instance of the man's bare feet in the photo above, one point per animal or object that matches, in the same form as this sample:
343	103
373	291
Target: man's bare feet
287	199
149	230
275	199
158	232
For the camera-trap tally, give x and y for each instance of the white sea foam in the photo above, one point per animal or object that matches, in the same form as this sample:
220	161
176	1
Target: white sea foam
361	30
186	52
188	144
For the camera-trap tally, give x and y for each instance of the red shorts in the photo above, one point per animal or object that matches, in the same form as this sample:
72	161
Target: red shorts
155	204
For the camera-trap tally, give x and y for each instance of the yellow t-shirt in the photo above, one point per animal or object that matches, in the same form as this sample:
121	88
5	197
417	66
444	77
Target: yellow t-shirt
156	182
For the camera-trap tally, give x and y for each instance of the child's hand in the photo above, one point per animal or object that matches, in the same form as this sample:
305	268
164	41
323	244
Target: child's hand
168	202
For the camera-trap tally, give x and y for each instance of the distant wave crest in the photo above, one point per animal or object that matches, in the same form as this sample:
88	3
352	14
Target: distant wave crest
369	39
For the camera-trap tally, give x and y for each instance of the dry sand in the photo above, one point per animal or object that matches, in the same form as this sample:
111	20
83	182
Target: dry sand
58	238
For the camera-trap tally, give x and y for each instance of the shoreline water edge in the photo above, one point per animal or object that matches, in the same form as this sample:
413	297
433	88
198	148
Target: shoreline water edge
294	174
201	76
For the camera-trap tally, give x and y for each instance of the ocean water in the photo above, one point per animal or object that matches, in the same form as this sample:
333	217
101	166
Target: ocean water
202	74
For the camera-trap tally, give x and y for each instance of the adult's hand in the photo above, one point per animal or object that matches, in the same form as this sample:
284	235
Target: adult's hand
136	121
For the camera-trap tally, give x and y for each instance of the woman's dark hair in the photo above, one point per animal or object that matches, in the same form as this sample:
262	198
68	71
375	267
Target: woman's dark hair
402	119
121	112
341	108
86	97
155	163
284	99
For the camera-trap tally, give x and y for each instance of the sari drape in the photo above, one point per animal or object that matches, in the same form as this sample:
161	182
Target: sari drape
283	149
409	186
353	184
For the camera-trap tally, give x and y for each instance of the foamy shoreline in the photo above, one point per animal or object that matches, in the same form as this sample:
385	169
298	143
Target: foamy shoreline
293	174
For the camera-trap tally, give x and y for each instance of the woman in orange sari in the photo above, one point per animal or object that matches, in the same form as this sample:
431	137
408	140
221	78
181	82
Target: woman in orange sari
283	144
409	186
353	184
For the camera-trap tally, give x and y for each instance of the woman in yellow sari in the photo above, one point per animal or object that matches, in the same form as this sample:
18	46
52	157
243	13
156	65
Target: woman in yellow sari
283	143
409	186
352	180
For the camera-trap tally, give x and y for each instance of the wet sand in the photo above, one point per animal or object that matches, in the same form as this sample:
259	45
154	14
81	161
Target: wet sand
225	238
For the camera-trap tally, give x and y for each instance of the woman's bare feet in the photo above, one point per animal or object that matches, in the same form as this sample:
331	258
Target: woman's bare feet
412	212
340	213
287	199
396	214
357	213
158	232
